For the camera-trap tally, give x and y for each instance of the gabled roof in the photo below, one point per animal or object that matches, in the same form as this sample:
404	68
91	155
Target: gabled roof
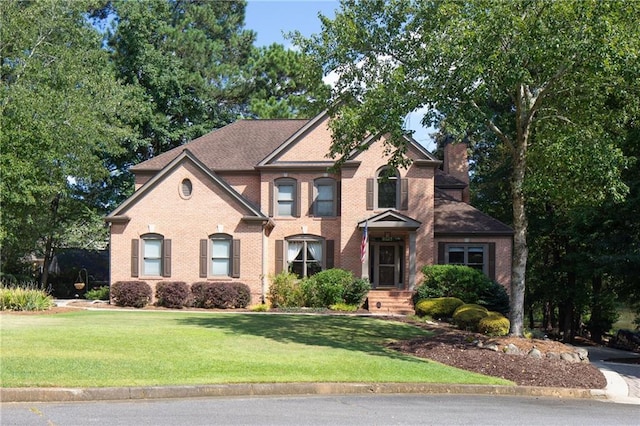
456	217
253	212
390	219
238	146
291	140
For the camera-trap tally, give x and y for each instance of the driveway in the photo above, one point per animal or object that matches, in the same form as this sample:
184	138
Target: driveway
623	378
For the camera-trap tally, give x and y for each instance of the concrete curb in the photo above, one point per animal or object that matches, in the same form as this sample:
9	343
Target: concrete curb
284	389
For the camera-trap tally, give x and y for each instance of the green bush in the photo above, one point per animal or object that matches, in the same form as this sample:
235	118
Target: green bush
98	293
356	292
469	315
440	307
172	294
25	297
326	288
136	294
285	291
463	282
494	324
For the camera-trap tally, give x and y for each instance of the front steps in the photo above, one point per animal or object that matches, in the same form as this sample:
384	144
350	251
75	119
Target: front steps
390	302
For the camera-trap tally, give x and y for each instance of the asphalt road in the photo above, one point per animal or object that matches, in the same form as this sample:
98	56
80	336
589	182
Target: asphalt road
368	410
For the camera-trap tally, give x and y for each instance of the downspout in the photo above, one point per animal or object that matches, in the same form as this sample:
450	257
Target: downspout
265	257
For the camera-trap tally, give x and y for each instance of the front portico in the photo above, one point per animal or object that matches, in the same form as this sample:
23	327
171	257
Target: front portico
389	258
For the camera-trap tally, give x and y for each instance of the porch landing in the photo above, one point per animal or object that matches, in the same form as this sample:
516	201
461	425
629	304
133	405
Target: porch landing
390	302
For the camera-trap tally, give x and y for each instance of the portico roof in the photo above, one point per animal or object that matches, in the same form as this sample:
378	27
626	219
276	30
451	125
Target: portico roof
390	220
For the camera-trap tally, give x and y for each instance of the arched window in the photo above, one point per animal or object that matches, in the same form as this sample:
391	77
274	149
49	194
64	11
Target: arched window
387	186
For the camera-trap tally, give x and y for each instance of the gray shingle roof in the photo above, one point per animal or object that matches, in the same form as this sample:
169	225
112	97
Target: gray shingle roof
456	217
239	146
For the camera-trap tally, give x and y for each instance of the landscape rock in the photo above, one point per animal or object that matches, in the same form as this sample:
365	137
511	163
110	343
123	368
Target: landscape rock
511	349
535	353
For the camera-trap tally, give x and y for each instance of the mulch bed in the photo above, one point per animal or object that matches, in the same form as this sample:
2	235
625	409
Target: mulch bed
459	349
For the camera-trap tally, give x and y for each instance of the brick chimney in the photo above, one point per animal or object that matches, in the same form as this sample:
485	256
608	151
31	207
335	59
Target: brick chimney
456	164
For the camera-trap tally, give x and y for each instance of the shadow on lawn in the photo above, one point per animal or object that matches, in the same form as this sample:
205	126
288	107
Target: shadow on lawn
366	335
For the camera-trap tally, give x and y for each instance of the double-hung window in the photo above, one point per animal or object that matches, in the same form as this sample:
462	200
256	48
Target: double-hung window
285	197
220	264
152	256
324	197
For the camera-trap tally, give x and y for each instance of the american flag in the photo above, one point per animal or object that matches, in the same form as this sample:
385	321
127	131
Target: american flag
365	242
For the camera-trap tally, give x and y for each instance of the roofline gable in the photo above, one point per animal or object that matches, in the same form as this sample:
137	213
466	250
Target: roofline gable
292	139
186	155
400	221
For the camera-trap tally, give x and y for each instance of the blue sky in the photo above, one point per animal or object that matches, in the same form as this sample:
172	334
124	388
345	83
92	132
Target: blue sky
271	18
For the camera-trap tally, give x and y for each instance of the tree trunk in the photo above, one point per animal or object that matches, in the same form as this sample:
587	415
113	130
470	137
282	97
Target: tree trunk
520	249
48	249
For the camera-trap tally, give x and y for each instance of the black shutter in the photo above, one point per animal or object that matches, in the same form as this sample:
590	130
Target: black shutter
492	261
235	253
312	201
298	194
329	249
338	198
404	194
135	258
370	194
441	253
166	258
279	256
272	201
203	258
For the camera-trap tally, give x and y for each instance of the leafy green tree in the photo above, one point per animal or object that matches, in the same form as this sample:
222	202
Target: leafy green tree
285	84
520	74
61	113
190	59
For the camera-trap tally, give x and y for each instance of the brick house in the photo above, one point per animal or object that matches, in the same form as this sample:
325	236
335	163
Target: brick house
257	197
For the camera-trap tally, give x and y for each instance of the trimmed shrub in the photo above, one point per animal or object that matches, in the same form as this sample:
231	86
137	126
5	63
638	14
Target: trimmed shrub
469	315
440	307
356	292
285	291
463	282
98	293
494	324
344	307
172	294
136	294
225	295
325	288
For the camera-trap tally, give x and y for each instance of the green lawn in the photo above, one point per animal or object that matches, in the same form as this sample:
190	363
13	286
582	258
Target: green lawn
135	348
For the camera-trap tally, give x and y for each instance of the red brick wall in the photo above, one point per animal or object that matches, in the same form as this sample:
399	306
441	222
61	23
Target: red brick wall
185	221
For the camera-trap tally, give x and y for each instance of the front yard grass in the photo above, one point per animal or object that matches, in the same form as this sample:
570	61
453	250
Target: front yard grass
150	348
